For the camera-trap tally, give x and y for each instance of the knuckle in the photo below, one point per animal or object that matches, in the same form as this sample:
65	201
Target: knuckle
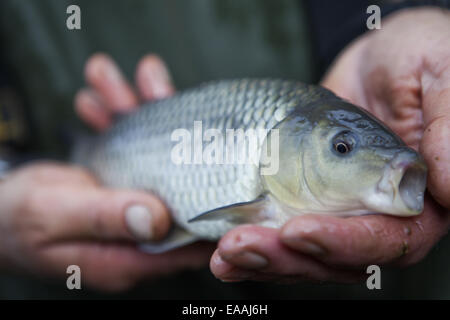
374	231
421	244
102	214
80	98
29	200
98	219
28	220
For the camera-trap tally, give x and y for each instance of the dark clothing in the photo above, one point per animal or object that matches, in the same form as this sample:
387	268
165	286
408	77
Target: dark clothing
200	41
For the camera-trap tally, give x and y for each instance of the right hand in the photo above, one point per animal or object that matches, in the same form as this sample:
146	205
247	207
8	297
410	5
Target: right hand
53	215
401	74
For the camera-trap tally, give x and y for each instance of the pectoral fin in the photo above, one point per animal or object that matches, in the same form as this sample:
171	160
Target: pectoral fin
244	212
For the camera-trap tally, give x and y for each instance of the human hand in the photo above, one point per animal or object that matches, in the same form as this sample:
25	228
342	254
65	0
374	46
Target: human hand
401	74
53	215
109	93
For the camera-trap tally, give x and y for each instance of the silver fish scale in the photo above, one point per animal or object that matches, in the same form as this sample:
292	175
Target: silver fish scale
136	152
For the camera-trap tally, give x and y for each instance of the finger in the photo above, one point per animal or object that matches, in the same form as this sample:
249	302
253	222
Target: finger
260	250
41	170
97	213
153	79
364	240
116	267
90	108
435	145
105	77
228	272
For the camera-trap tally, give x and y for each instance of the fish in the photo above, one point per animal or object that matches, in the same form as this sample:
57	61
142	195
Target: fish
304	151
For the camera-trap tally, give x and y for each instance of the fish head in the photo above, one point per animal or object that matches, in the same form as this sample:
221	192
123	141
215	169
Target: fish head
337	158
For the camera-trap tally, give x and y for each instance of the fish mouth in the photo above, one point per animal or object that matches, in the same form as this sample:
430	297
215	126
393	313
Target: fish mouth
412	187
401	189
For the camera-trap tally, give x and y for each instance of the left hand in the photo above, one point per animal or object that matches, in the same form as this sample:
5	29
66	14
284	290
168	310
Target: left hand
109	94
401	74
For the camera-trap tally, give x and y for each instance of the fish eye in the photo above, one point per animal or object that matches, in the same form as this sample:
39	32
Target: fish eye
344	143
341	147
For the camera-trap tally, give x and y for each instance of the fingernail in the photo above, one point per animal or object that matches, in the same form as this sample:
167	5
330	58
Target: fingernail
139	222
247	260
159	79
305	246
161	70
160	90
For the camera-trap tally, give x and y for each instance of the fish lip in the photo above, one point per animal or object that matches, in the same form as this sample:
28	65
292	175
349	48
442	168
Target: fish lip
404	182
412	185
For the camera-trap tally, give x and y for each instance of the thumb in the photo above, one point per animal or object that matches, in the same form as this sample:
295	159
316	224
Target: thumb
105	214
435	143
